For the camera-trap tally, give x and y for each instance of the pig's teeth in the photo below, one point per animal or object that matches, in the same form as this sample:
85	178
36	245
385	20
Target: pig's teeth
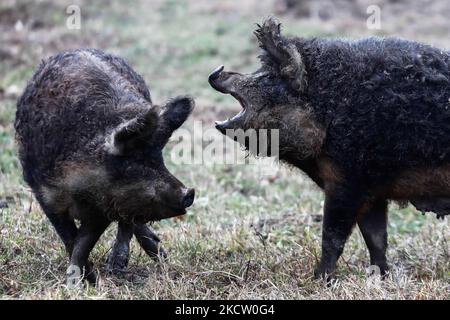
219	122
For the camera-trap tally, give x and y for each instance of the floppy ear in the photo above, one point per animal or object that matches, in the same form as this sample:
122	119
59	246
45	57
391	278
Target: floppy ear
282	52
132	133
174	113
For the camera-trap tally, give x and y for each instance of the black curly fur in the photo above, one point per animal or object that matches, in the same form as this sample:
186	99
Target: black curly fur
66	104
90	144
385	104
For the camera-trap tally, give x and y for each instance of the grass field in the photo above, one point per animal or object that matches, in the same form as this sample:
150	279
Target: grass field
248	236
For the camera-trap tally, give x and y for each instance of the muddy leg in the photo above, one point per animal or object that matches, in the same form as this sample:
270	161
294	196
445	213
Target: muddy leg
149	241
120	253
88	234
64	225
373	225
65	228
341	207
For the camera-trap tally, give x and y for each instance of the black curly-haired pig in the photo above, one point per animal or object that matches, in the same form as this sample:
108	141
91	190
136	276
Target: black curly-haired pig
367	120
90	143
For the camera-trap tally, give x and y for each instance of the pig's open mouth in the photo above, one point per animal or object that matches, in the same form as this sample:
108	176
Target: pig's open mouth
239	99
223	83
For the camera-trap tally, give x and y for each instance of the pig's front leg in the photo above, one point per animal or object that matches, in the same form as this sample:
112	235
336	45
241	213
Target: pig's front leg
340	212
79	268
120	253
373	224
149	241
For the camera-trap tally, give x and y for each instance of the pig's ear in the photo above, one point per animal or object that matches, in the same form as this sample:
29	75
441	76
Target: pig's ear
282	52
173	114
132	133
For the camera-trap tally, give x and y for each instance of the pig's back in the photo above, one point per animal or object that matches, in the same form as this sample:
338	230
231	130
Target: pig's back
73	98
386	103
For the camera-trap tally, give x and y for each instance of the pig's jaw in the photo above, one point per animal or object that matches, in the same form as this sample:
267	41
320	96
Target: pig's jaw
233	123
162	212
221	82
173	210
236	117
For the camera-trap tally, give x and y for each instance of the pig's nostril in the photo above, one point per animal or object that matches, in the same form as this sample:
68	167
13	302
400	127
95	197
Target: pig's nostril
213	77
215	74
188	198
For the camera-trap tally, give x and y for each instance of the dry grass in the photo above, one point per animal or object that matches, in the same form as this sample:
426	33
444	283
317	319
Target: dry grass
248	236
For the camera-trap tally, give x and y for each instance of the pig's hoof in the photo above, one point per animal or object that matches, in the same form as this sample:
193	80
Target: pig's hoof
324	274
117	263
90	275
379	269
160	253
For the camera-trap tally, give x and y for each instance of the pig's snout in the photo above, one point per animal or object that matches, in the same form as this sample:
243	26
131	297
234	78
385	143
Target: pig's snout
188	197
221	125
214	75
224	82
